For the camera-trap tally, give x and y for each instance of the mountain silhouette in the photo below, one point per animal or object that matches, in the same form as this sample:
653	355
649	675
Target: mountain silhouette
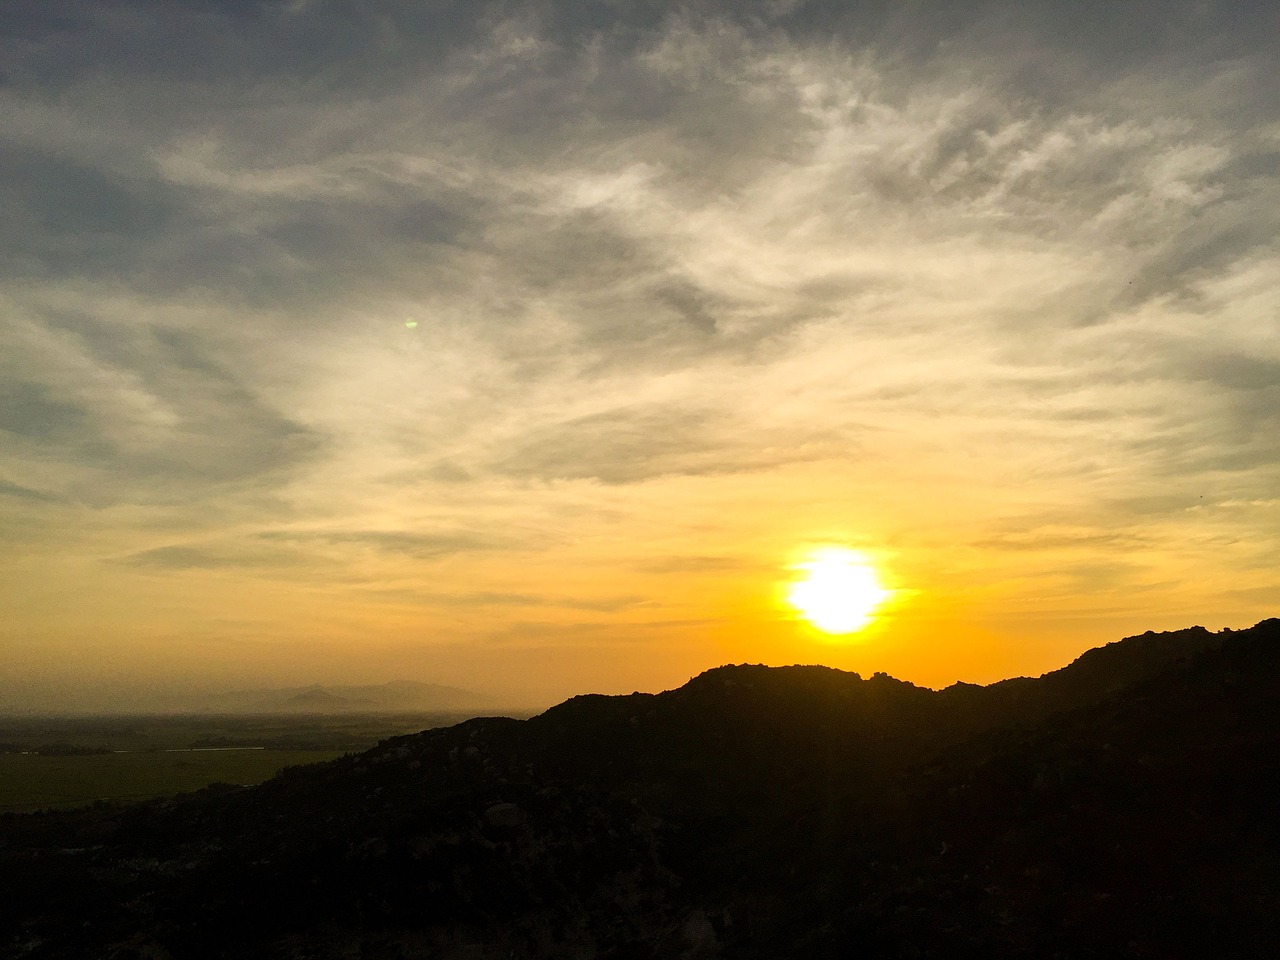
1123	806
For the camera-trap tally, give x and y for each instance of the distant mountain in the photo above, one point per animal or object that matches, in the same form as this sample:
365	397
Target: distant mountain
317	699
1124	806
396	696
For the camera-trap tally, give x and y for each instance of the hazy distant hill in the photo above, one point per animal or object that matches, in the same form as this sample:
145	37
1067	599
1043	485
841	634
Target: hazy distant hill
1124	806
398	695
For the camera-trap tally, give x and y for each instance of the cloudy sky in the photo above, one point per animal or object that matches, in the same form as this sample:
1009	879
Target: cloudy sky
527	346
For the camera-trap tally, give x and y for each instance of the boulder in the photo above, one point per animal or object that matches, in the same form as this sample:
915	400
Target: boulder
507	815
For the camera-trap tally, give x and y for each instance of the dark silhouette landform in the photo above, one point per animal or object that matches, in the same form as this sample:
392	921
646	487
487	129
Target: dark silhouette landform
1124	806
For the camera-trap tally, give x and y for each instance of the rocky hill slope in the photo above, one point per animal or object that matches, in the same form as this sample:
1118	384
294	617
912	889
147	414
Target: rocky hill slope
1123	806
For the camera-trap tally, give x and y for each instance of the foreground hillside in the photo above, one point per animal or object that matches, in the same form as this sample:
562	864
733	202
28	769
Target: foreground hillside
1121	807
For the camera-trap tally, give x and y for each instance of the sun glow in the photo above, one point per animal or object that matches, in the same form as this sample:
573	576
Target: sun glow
838	591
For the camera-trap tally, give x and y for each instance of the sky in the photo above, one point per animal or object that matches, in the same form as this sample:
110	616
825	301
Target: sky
532	347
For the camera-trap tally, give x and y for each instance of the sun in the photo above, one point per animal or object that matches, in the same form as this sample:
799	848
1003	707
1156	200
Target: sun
838	591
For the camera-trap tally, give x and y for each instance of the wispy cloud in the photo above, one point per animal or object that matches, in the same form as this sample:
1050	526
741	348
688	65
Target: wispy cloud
419	545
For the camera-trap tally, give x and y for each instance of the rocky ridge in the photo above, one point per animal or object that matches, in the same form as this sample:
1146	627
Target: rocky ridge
1121	806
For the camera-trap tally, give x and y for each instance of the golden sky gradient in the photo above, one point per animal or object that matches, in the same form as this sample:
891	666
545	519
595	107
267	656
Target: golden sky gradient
528	348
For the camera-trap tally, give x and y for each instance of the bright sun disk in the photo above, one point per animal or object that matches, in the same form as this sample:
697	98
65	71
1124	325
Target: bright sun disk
839	591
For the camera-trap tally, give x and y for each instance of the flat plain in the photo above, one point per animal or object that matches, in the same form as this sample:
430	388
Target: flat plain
31	782
58	762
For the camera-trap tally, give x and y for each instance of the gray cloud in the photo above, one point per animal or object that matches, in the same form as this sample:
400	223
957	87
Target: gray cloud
142	414
1054	541
635	444
317	552
302	187
28	410
614	447
692	564
183	558
1237	373
502	599
64	215
424	546
26	493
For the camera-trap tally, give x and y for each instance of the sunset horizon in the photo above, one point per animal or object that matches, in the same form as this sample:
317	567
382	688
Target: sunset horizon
541	349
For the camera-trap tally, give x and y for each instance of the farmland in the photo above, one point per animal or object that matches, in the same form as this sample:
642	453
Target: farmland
32	782
64	762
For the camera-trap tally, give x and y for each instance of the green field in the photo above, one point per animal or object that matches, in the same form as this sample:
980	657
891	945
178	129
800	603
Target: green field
29	782
49	761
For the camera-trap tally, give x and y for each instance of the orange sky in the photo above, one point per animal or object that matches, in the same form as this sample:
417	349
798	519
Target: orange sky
528	353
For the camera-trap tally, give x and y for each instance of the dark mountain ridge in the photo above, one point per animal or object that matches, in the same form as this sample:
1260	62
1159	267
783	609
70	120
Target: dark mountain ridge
1123	806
